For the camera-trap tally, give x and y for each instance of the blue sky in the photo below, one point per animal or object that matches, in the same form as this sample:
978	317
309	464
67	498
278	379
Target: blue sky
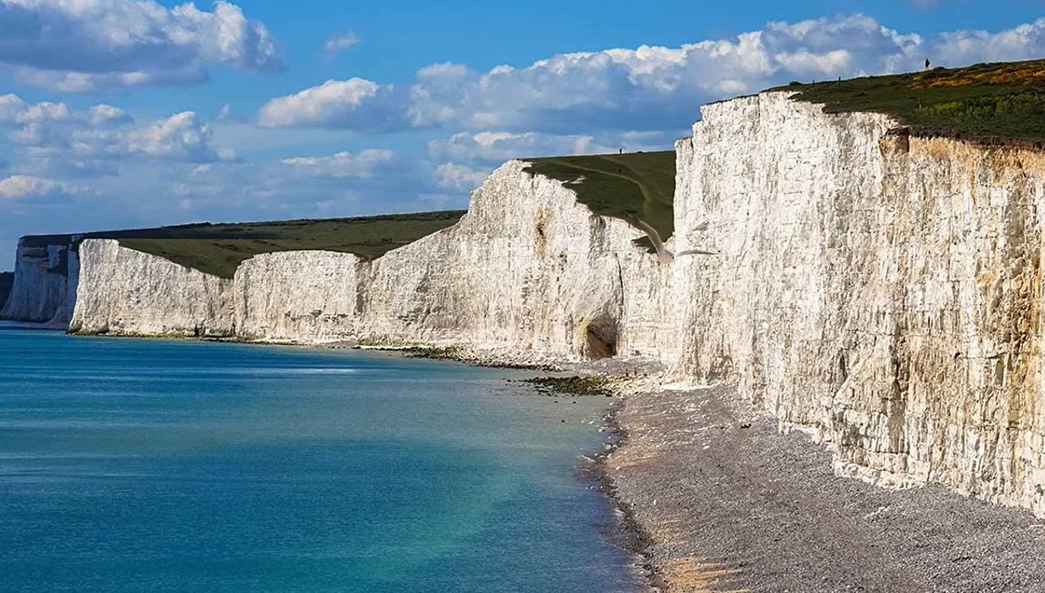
120	113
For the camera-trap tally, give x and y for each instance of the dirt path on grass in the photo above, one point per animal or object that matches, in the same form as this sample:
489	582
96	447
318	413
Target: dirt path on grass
663	254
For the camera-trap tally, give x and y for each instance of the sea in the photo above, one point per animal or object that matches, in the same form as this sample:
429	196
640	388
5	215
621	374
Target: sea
141	466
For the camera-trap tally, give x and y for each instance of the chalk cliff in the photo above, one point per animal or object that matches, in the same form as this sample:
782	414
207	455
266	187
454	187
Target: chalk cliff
129	293
7	280
298	296
528	275
527	272
45	281
878	290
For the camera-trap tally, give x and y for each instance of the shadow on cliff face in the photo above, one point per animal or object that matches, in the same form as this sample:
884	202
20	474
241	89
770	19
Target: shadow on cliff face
7	280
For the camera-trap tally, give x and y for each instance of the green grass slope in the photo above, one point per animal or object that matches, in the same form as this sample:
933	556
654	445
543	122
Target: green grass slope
218	249
635	187
993	103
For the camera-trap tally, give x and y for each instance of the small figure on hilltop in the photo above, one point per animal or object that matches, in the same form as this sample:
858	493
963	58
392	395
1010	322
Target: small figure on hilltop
927	63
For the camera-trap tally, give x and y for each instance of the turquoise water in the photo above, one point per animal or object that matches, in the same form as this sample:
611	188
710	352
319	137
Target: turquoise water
152	466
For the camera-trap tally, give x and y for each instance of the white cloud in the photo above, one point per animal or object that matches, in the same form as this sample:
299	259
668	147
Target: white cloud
356	103
965	47
11	108
181	137
106	115
459	177
54	131
27	186
86	45
647	88
14	110
343	164
340	43
500	146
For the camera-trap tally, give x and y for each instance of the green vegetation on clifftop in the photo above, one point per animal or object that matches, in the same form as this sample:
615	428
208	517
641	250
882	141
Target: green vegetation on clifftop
633	187
985	102
218	249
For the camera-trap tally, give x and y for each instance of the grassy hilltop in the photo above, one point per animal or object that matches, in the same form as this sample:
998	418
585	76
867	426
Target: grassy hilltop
986	102
636	187
218	249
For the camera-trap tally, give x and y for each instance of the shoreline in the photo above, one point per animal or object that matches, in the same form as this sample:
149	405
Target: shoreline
767	513
723	501
631	534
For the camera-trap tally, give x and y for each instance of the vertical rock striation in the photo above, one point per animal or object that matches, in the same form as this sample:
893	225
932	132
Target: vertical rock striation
529	273
7	280
45	280
298	296
880	290
129	293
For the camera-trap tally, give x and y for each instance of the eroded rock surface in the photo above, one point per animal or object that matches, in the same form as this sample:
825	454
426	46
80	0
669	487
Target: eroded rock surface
45	281
129	293
879	290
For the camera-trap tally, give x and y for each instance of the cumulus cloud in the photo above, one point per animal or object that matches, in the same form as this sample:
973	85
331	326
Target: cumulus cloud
343	164
26	186
356	103
648	88
86	45
181	137
459	177
105	115
54	132
498	146
14	110
340	43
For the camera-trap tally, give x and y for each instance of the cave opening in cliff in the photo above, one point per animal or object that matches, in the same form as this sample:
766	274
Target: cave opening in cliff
601	338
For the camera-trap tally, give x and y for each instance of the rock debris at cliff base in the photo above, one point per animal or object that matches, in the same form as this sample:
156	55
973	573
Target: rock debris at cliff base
731	505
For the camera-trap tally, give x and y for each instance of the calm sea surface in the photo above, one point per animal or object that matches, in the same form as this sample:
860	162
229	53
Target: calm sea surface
149	466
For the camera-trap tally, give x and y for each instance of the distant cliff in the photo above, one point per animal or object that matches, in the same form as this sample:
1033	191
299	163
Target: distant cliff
872	284
45	281
549	281
7	279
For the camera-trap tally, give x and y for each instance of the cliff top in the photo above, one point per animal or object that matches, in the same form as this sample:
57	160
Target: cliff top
218	249
635	187
993	103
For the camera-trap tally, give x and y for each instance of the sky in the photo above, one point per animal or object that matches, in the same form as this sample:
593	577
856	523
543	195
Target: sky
130	113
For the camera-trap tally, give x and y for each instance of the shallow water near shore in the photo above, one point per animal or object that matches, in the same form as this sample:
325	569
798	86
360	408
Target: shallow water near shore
151	465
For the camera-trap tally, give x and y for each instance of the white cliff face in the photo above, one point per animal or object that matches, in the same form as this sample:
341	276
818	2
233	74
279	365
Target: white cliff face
881	291
528	272
44	285
528	275
298	296
129	293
